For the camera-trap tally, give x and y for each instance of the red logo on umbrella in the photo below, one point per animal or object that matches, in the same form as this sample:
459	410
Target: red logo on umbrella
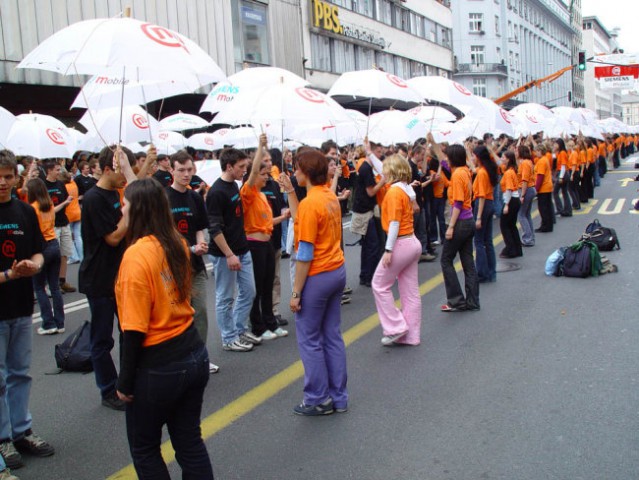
310	95
139	121
223	132
532	118
446	133
163	36
505	115
9	249
183	226
395	80
163	136
208	140
462	89
55	136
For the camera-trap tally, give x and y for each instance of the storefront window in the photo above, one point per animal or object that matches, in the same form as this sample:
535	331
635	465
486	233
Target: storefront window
364	58
344	56
251	38
321	51
365	7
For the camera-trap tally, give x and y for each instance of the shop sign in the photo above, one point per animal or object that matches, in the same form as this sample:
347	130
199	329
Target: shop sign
326	17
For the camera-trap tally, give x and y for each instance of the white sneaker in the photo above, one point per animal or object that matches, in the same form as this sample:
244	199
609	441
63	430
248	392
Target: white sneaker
48	331
248	337
268	335
213	368
436	242
237	346
61	330
280	332
388	340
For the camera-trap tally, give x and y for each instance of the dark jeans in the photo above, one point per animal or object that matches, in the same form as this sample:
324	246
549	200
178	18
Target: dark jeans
462	243
544	203
420	222
508	226
103	311
371	250
485	260
170	395
437	219
573	190
50	274
565	207
261	316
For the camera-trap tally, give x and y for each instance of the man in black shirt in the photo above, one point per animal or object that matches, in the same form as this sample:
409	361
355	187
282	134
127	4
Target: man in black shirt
21	257
189	214
232	262
163	173
84	181
58	193
420	180
103	232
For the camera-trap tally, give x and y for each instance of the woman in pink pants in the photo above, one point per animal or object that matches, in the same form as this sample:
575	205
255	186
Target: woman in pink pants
400	259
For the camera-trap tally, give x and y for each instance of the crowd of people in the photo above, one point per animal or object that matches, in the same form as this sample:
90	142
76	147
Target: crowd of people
142	225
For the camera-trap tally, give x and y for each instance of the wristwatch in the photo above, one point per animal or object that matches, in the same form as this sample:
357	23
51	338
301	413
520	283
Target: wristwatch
295	295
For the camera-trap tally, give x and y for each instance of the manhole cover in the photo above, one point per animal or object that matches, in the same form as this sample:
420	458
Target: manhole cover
507	267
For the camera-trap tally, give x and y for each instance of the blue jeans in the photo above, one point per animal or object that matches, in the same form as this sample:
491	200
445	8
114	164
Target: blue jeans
485	260
371	251
169	395
498	198
78	250
15	383
50	274
437	219
103	311
525	217
232	319
319	338
284	235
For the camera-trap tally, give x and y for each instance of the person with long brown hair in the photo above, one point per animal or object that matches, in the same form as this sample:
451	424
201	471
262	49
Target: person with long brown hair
52	319
508	220
163	356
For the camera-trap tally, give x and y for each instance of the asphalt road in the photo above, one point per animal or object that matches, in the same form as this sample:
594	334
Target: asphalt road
542	383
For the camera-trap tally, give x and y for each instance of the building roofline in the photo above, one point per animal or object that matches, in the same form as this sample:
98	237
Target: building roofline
598	22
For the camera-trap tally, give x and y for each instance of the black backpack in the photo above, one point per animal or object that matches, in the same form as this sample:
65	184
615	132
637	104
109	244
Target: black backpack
74	354
604	237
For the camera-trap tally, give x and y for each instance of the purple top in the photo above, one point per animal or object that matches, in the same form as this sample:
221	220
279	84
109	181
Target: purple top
464	213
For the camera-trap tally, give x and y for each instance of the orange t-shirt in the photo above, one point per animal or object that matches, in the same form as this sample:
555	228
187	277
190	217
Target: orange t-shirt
397	207
147	295
46	220
381	193
525	173
258	215
562	160
319	222
602	149
543	167
275	172
481	185
591	155
346	172
583	157
509	181
439	185
573	160
73	209
359	163
461	187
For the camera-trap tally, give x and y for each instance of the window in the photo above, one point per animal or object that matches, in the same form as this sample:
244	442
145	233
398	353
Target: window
384	12
517	62
385	62
343	56
417	69
479	87
402	67
251	39
477	54
365	7
321	52
364	58
475	21
416	25
497	32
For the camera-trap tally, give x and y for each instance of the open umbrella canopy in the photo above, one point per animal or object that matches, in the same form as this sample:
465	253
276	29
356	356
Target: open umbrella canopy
493	119
374	88
443	90
165	138
431	114
39	137
7	119
115	45
137	124
572	114
315	135
182	121
392	126
203	141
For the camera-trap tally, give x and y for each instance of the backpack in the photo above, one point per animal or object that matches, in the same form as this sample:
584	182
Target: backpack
554	261
582	260
605	238
74	354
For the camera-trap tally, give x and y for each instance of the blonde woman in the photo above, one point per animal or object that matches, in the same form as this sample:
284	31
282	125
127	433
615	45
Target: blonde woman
400	259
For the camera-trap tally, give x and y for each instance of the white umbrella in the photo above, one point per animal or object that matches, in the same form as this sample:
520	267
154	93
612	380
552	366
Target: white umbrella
137	124
358	116
315	135
493	119
47	120
282	104
115	45
243	137
588	114
182	121
203	141
456	132
104	91
136	147
30	135
7	119
571	114
374	88
559	126
392	126
534	112
165	138
427	113
443	90
209	170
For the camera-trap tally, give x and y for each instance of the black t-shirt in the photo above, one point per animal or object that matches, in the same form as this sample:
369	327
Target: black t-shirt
226	216
190	217
100	216
165	178
58	193
84	183
362	203
300	192
276	201
415	175
20	239
196	182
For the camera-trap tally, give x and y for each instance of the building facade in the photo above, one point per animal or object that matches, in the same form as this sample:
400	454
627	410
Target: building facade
408	38
597	41
630	104
501	45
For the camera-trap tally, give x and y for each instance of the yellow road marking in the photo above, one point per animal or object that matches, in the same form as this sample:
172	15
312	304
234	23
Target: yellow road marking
250	400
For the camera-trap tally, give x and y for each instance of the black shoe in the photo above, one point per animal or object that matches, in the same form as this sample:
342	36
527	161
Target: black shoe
281	321
12	457
112	401
286	255
33	444
325	408
364	283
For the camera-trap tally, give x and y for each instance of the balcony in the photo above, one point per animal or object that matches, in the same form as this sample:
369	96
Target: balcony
481	68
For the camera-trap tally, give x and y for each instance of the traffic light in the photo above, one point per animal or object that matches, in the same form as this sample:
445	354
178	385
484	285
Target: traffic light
582	61
569	96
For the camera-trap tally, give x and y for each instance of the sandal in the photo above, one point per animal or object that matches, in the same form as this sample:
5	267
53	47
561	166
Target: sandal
447	308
